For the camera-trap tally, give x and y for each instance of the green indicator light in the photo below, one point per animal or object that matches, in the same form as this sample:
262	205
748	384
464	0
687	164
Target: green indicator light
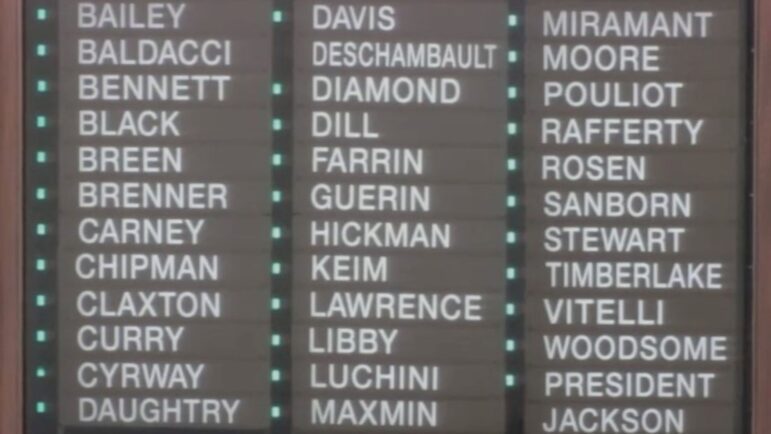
41	157
41	122
278	16
511	380
41	14
513	20
40	301
42	86
512	93
511	309
41	193
40	372
276	268
40	265
511	273
511	164
275	340
41	50
277	159
41	336
511	237
40	407
513	56
275	303
511	201
511	345
278	89
276	233
276	196
511	128
275	412
277	125
41	229
275	375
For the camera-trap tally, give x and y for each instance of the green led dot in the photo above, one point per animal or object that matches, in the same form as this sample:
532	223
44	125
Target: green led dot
41	157
513	56
41	229
41	14
40	372
511	345
277	125
275	340
511	201
275	303
277	89
40	407
41	336
278	16
275	412
41	193
511	164
511	380
42	86
512	93
41	50
276	268
276	233
511	309
276	196
513	20
511	237
275	375
41	265
511	128
40	301
277	159
511	273
41	122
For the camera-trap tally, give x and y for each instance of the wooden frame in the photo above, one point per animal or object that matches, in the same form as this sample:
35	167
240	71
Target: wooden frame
11	233
761	372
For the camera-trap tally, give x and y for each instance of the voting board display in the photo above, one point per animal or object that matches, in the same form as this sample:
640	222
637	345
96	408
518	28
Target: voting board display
404	216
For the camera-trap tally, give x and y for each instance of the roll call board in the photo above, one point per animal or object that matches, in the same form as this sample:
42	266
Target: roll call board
429	216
